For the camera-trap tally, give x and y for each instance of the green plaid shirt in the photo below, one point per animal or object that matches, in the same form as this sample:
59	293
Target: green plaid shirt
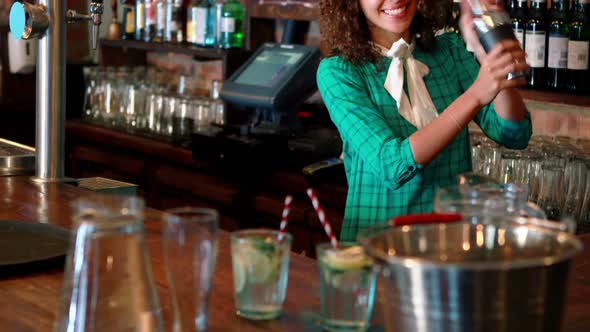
384	181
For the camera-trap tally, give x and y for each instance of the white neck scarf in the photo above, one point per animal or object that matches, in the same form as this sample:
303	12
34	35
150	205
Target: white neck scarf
419	109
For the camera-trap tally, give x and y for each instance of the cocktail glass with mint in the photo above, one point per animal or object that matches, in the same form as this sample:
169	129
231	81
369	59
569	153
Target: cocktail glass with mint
260	265
347	287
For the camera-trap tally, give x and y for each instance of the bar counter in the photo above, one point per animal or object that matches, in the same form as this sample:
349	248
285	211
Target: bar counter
29	300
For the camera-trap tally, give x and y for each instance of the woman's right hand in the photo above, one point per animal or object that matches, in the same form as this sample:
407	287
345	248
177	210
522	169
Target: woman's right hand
506	57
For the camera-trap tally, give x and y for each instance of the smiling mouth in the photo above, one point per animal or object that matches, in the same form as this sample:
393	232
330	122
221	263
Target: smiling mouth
396	12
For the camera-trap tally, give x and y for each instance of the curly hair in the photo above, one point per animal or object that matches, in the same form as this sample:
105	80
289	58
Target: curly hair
345	30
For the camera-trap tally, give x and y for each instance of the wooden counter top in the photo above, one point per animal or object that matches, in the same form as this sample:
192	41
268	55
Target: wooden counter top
28	302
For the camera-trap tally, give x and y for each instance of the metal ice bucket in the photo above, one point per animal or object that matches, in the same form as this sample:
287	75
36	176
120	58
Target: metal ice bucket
505	276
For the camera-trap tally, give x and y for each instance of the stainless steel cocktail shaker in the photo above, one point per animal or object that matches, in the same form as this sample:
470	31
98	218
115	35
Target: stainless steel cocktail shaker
492	24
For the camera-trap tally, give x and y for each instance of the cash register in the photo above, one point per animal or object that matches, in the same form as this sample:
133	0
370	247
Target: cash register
271	87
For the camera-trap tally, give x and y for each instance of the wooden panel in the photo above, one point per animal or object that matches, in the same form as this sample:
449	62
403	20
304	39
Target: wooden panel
215	189
204	53
168	177
308	10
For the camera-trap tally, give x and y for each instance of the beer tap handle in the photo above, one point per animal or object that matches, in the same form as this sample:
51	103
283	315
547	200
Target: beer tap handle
27	20
96	10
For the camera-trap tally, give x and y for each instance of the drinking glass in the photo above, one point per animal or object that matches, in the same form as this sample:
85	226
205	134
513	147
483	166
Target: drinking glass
167	115
509	166
550	191
108	283
202	115
530	172
260	265
584	208
189	242
155	104
491	154
574	181
91	75
183	120
347	287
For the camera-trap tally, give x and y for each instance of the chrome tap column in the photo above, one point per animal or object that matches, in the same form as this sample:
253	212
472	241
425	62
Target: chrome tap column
46	22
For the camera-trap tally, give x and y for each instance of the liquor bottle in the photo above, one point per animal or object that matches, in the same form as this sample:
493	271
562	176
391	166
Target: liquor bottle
557	46
173	27
579	47
517	13
160	20
232	19
453	25
200	23
128	31
217	31
139	19
192	18
535	40
150	20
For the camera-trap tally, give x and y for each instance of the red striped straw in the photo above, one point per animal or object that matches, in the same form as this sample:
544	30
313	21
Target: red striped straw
285	216
322	216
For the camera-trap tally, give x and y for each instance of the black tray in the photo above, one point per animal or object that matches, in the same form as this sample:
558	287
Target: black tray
24	242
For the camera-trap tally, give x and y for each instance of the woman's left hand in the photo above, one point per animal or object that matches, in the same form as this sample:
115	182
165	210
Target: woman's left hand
506	57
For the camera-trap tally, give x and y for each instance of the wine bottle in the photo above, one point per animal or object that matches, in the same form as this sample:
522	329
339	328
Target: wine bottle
535	40
139	19
517	13
150	20
579	47
232	19
128	31
557	46
172	30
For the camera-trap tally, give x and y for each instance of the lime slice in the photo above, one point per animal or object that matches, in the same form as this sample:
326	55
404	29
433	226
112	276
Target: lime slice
257	265
347	259
239	273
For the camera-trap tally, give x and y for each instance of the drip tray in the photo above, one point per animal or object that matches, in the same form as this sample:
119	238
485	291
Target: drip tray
16	159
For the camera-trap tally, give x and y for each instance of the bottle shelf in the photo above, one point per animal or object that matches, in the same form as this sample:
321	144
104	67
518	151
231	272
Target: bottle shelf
567	98
184	48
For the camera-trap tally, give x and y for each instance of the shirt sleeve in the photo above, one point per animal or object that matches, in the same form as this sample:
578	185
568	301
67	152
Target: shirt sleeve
362	126
511	134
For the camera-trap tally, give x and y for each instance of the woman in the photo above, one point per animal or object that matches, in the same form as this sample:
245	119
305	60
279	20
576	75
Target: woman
402	98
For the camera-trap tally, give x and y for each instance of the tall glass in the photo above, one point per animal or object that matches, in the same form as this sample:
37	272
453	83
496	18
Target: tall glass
551	191
584	208
189	241
260	264
108	283
347	287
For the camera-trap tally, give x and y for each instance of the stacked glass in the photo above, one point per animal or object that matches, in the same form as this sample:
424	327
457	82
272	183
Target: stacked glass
146	100
556	170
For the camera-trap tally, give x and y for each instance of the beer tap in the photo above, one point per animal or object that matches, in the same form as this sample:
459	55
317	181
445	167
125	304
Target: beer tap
95	17
46	21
